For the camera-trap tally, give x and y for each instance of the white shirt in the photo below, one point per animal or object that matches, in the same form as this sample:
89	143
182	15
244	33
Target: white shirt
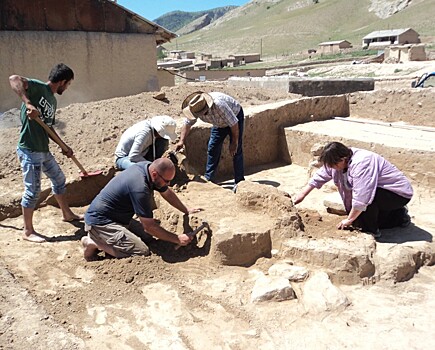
135	141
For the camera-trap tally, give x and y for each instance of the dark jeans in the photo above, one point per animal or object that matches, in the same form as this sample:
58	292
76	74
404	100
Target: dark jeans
217	138
386	211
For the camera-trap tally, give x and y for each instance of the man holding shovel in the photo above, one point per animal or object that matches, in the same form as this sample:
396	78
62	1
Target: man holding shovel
33	152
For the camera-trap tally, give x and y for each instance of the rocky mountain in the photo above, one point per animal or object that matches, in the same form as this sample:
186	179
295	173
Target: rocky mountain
186	22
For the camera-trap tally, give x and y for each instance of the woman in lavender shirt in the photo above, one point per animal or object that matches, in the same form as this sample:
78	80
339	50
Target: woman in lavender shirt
373	190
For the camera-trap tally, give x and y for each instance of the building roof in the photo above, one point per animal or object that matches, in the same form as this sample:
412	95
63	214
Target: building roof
328	43
79	15
244	55
386	33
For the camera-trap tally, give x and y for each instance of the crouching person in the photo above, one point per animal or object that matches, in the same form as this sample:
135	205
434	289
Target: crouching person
109	217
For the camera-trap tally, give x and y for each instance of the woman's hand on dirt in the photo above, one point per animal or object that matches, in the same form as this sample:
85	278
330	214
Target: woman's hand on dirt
299	198
344	223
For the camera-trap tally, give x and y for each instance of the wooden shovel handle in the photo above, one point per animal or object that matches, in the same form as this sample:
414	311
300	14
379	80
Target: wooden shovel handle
61	144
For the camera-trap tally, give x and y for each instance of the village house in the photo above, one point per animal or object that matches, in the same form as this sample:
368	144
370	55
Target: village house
241	59
329	47
383	38
111	49
405	53
162	51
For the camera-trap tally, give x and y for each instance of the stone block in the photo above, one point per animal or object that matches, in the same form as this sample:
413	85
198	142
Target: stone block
320	295
347	261
271	289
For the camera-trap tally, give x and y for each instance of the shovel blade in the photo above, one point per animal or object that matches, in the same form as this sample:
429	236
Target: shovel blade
91	173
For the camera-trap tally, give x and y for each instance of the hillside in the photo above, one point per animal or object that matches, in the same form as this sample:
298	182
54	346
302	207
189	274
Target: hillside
279	28
176	20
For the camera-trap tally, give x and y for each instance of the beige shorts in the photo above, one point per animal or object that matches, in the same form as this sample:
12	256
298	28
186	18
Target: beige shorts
118	240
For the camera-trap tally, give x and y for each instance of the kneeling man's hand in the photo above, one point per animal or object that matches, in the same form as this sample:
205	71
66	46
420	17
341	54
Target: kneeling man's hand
184	239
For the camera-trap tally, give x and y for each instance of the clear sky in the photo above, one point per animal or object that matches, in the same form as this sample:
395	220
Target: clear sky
152	9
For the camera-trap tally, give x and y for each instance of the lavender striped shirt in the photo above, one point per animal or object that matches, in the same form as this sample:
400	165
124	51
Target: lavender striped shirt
366	171
223	113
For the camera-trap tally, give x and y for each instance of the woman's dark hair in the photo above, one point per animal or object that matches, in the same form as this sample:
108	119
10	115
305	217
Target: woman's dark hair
60	72
334	152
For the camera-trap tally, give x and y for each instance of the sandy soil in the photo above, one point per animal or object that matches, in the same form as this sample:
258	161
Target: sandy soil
50	297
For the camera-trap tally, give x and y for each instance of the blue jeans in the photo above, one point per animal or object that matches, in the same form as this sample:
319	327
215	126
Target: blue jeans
123	163
214	150
32	165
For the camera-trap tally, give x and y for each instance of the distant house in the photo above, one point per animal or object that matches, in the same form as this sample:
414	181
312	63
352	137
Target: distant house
188	55
328	47
181	63
111	49
217	63
241	59
405	53
205	56
175	54
384	38
161	51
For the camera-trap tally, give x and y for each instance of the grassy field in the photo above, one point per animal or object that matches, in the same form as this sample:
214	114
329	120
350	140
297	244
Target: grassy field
283	30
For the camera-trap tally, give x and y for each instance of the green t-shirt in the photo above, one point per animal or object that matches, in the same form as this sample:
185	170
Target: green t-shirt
32	135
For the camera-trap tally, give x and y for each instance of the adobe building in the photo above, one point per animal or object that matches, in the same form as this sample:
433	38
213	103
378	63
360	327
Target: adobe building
405	53
383	38
175	54
221	74
217	63
112	50
329	47
188	55
241	59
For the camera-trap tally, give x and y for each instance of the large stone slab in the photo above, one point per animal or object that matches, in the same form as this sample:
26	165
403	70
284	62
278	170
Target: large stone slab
411	149
347	261
325	87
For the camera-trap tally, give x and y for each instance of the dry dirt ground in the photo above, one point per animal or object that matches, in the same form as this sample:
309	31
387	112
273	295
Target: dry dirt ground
51	298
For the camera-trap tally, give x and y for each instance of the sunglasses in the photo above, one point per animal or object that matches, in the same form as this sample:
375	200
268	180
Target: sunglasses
166	181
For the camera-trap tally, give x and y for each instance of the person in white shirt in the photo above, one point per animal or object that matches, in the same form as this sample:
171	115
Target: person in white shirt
145	140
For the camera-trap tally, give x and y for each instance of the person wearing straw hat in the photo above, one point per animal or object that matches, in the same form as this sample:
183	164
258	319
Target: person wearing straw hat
145	140
227	117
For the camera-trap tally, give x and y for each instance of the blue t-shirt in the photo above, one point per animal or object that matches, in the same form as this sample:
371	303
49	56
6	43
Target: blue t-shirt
128	193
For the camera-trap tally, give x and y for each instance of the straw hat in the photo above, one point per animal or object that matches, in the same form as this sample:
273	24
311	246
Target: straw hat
196	104
165	126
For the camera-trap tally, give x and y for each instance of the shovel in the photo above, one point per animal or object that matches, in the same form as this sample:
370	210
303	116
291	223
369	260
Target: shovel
64	148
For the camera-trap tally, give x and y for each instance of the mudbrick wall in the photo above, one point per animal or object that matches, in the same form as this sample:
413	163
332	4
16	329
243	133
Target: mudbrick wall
264	138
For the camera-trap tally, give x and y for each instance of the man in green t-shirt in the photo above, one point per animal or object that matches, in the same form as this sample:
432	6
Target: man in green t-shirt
33	153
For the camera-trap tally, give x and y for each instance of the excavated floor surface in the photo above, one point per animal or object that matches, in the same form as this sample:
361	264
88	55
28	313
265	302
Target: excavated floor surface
184	300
